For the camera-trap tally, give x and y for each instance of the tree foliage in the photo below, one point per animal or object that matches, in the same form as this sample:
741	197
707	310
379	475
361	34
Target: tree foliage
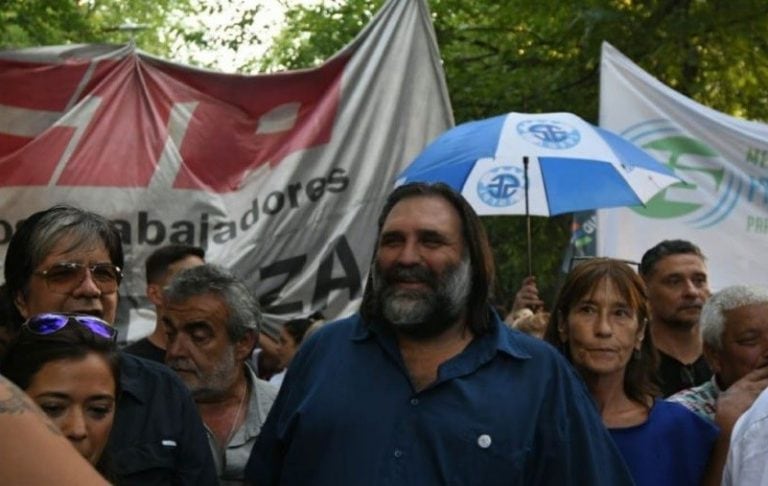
33	22
166	28
544	56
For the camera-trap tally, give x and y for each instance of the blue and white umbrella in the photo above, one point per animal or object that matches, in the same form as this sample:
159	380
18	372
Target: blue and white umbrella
573	165
539	164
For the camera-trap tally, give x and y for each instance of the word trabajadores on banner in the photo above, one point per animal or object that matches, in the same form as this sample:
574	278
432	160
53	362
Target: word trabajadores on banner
280	177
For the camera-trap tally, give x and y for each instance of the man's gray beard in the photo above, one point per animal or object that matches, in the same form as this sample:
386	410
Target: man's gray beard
211	386
425	313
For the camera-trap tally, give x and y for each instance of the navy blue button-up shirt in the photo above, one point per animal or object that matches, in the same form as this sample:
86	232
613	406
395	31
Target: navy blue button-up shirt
158	436
506	410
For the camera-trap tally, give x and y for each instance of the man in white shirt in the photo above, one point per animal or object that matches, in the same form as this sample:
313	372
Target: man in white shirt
748	456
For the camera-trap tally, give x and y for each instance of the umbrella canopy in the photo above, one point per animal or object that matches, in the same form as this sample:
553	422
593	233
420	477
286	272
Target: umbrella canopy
572	166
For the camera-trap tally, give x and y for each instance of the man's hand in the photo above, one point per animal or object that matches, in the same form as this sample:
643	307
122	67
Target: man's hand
528	296
731	404
734	401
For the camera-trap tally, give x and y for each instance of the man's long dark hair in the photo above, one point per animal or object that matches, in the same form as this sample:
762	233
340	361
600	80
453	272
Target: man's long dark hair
476	245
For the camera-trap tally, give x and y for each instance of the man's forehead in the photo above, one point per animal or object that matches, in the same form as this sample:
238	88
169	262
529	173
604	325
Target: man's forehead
201	306
427	211
680	263
68	245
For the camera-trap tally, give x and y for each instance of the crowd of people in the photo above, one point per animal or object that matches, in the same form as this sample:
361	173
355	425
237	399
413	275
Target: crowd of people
631	376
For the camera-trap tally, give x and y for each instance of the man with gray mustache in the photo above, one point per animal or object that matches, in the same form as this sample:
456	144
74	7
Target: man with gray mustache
426	385
417	312
212	322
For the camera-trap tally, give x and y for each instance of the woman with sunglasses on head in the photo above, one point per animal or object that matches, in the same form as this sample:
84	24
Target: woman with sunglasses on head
26	435
600	323
68	366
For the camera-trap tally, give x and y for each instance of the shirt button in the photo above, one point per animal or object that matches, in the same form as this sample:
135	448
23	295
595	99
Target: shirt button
484	441
414	401
398	453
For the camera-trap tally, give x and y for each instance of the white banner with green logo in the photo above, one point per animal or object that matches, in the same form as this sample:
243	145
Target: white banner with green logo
723	204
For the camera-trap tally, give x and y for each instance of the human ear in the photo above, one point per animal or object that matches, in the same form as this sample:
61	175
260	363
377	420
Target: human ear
155	293
244	347
21	305
641	330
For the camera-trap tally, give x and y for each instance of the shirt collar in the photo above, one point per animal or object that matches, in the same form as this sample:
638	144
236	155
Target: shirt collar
258	405
499	339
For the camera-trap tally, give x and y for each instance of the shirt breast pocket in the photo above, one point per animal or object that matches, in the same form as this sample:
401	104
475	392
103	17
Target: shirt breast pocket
485	458
146	464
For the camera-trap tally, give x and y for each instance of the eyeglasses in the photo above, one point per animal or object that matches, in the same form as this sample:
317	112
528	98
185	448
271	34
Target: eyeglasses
63	278
51	323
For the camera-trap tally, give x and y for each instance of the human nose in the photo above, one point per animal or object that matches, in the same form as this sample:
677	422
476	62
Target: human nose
74	426
174	348
87	286
409	254
691	288
603	326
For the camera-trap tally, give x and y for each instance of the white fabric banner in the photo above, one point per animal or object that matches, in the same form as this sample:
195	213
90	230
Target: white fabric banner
280	177
723	204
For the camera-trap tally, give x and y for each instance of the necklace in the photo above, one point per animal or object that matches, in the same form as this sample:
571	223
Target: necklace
237	416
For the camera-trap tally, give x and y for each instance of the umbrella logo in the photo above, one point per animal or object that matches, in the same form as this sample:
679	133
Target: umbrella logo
501	186
549	134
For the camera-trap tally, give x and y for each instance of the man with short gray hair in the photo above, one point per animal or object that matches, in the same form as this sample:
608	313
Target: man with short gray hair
212	324
734	328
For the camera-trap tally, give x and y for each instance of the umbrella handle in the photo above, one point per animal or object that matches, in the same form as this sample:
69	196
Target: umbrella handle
527	216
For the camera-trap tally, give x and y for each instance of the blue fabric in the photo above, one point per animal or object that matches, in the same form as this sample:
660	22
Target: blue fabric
630	154
671	448
158	436
452	155
570	185
507	410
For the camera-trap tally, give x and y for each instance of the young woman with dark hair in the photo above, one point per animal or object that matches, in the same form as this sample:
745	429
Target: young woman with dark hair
67	364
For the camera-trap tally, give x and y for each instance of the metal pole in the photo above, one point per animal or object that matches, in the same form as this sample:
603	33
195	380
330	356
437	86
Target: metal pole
527	217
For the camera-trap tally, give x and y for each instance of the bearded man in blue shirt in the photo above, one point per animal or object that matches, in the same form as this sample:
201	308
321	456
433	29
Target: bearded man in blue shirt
426	385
